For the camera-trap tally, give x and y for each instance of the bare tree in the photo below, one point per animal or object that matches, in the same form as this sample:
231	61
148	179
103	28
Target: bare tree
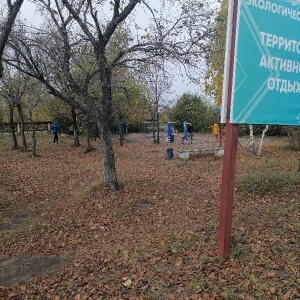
6	26
32	98
252	147
12	125
13	89
158	82
37	54
177	33
180	38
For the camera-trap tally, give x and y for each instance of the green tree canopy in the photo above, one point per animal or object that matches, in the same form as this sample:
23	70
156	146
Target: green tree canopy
193	109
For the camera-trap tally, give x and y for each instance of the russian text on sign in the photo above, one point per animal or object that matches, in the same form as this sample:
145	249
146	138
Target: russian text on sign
283	85
280	64
275	8
274	41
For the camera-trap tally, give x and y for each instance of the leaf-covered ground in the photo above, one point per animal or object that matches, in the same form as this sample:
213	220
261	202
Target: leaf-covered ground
65	236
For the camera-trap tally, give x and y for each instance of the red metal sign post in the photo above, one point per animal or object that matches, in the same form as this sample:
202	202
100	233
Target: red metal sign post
229	161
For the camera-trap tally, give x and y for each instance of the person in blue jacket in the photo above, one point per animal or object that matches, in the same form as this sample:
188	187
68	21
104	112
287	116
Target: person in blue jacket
55	129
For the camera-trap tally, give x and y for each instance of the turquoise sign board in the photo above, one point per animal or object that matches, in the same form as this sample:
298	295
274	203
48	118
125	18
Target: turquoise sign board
266	67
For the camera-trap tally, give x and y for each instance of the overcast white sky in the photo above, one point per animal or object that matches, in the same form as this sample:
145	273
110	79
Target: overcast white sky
181	84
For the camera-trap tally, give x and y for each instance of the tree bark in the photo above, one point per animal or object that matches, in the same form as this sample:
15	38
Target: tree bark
121	131
20	112
108	158
88	141
153	127
12	126
105	123
252	148
75	127
7	26
157	122
90	136
33	134
262	140
156	110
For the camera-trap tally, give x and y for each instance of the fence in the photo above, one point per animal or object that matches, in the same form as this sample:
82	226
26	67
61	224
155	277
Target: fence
38	126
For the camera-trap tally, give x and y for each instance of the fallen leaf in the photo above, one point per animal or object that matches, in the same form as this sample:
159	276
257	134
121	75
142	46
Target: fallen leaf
127	283
287	295
77	297
270	274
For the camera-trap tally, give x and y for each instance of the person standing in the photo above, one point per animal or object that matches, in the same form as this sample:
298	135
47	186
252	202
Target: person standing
55	129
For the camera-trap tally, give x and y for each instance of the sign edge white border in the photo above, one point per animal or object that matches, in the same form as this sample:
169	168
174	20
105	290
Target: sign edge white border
227	61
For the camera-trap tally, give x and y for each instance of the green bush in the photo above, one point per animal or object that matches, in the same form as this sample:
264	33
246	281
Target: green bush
65	123
193	109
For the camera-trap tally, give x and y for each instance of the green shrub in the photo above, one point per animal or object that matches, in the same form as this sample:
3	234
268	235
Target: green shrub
195	110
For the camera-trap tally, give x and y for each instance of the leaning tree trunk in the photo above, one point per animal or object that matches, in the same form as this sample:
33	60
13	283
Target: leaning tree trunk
262	140
12	126
20	112
6	28
104	123
75	127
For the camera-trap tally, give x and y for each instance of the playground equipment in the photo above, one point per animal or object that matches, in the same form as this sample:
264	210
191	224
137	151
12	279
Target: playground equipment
145	127
116	128
215	130
187	132
171	137
217	127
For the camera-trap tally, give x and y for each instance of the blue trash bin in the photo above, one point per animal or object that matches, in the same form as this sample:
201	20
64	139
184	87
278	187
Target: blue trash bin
172	138
170	153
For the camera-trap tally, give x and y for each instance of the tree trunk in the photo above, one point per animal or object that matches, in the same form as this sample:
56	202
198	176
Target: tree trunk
252	149
153	127
33	134
6	28
108	158
121	131
156	112
90	135
12	126
88	141
75	127
262	140
157	121
105	124
20	112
